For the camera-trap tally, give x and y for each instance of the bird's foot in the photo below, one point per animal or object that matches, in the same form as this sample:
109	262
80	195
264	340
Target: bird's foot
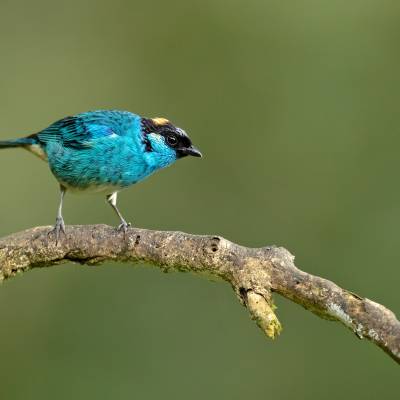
123	227
59	227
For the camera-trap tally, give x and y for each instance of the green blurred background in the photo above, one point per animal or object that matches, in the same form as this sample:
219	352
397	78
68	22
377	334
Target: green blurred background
294	105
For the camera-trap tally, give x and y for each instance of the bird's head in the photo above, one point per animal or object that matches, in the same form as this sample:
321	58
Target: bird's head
165	142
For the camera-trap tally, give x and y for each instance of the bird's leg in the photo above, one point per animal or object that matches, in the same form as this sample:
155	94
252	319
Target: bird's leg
112	200
59	226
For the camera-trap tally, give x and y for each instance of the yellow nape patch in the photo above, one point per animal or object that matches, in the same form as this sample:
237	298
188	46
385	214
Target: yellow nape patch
160	121
37	151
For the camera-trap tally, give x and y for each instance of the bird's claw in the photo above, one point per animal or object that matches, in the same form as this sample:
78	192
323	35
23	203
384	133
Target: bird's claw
59	227
123	226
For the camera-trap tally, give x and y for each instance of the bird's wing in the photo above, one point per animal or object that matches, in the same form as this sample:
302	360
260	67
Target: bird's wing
77	132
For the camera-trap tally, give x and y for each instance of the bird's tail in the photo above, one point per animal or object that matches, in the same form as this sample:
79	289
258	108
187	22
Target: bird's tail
30	143
22	142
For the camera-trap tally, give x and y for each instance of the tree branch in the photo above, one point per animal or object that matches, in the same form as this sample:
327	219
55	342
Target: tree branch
254	273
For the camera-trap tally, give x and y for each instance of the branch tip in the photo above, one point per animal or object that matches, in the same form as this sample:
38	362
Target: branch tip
262	311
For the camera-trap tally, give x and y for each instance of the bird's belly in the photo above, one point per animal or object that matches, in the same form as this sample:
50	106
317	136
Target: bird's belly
99	169
92	189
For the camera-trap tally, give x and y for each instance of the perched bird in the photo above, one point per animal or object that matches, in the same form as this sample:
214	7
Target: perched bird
105	151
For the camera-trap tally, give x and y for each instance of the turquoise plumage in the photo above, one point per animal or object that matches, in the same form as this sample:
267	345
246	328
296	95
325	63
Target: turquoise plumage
105	151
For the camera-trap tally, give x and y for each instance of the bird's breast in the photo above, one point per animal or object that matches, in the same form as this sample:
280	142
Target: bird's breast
109	164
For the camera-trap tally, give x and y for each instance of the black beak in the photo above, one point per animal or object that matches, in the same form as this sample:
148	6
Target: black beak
190	151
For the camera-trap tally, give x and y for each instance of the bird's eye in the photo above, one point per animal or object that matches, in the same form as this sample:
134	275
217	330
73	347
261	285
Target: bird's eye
172	140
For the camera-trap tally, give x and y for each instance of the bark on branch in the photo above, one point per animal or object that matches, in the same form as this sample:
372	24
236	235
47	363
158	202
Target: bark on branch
254	273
